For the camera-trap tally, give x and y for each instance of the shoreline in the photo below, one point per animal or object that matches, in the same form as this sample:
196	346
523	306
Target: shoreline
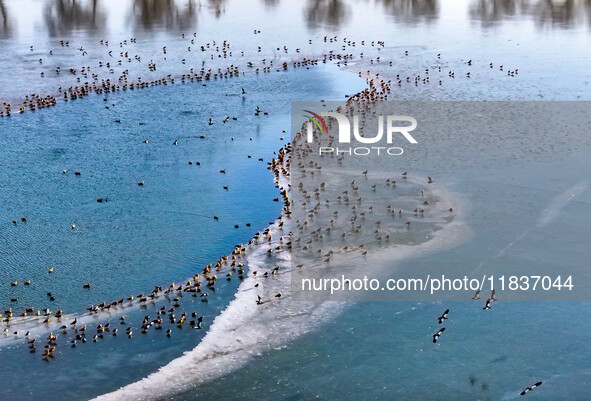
204	356
38	323
226	264
280	169
202	76
13	317
224	349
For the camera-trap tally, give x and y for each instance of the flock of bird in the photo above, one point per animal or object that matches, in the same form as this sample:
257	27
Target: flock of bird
439	332
329	224
340	222
443	317
201	286
111	75
203	283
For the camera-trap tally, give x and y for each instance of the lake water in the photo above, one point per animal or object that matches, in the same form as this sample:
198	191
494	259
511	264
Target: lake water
164	231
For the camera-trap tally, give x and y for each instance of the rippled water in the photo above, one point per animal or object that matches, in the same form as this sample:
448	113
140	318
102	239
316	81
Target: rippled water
158	233
165	227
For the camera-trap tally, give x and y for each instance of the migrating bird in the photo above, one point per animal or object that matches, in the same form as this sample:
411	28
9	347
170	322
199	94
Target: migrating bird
438	334
443	317
492	295
476	296
531	388
487	306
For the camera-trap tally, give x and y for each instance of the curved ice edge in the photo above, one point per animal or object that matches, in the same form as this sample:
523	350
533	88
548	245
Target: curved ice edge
227	346
244	329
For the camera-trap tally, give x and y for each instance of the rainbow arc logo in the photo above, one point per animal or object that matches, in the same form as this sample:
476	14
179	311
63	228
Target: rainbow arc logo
317	120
